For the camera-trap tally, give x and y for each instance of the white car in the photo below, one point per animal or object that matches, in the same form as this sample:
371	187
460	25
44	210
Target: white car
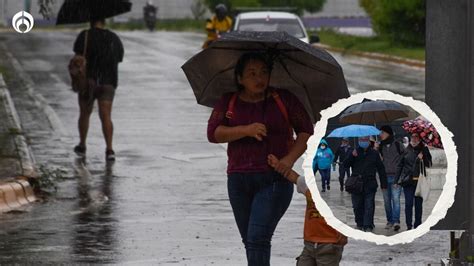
271	21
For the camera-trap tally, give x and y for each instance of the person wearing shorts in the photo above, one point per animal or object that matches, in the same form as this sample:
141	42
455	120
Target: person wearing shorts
104	51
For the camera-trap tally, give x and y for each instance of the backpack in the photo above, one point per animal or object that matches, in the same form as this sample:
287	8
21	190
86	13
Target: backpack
230	112
78	70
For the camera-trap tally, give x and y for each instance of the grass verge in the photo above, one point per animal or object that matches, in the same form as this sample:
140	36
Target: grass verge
369	44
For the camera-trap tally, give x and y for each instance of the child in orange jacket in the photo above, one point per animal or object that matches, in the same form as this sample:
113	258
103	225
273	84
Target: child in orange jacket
322	244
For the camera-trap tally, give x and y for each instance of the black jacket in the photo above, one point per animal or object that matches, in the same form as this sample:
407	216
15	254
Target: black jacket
367	163
342	153
410	163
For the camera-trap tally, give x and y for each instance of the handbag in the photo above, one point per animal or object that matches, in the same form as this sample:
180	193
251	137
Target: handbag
354	184
407	179
423	186
78	70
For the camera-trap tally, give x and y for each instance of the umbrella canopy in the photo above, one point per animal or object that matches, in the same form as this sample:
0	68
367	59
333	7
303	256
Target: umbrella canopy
354	131
425	129
80	11
312	74
373	112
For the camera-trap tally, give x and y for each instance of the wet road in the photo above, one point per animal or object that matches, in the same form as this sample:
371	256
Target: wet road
164	201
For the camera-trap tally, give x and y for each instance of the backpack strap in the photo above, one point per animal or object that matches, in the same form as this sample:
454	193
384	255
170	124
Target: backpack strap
230	108
281	105
84	53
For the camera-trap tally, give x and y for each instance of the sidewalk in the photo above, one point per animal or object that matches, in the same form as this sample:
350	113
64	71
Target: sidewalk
16	162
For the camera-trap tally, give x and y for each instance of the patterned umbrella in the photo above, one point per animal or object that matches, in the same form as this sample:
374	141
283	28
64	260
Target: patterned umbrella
425	128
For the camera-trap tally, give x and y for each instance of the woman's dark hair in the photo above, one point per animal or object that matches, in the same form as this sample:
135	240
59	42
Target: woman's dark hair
94	21
243	61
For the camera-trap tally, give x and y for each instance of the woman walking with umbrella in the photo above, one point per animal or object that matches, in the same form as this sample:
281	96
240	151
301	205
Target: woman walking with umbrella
257	120
103	51
258	195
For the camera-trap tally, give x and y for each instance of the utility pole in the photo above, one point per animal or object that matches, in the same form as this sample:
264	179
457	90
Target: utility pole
449	92
27	6
3	8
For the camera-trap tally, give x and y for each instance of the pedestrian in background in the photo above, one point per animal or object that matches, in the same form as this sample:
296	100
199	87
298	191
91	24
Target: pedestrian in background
103	51
392	152
413	163
322	162
218	24
365	162
342	153
406	141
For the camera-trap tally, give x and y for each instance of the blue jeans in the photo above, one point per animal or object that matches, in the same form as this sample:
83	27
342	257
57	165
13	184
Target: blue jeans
364	207
258	201
410	198
391	198
325	177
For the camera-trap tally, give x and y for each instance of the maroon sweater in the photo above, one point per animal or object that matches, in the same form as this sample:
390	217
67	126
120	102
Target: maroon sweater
248	155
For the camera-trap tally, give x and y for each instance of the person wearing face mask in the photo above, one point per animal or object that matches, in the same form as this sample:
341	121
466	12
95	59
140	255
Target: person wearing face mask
365	162
342	154
406	142
411	164
322	162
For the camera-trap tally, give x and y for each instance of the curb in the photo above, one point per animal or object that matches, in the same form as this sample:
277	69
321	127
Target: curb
17	192
27	160
376	56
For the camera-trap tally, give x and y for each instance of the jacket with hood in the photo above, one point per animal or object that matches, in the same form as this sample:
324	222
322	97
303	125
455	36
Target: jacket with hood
323	158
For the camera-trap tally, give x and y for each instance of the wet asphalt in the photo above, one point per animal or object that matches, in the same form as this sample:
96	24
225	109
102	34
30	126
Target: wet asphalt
164	201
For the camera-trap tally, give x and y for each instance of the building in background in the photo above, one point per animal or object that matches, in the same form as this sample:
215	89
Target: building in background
168	9
344	15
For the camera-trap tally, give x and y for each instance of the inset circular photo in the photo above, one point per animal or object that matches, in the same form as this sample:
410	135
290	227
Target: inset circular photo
381	167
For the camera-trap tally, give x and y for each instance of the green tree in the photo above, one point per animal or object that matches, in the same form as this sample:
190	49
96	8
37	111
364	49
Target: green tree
401	21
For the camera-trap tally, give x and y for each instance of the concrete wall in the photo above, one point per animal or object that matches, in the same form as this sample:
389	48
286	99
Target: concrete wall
167	9
177	9
340	8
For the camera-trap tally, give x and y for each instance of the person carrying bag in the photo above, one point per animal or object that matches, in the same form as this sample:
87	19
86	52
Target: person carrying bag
411	168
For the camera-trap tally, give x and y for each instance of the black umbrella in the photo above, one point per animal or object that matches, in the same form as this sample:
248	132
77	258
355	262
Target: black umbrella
373	112
312	74
80	11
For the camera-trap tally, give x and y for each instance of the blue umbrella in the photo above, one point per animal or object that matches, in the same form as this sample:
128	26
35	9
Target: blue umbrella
354	131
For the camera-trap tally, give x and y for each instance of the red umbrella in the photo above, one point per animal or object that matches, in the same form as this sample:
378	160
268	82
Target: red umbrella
425	129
